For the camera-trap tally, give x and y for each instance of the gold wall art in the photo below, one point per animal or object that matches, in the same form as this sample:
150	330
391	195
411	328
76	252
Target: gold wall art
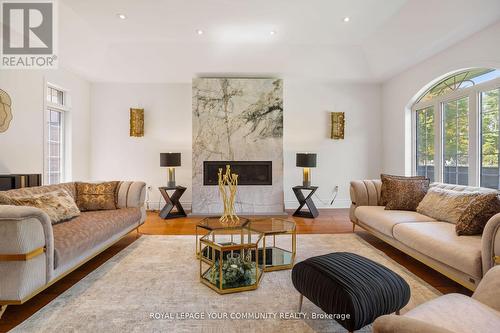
5	111
228	184
136	122
338	123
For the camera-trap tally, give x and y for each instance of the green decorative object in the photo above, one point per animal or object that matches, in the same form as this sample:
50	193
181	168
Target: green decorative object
236	272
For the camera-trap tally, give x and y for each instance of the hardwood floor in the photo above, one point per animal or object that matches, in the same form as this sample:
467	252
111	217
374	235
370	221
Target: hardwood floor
330	221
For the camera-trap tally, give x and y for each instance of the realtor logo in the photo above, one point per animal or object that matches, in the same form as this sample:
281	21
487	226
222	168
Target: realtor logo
28	35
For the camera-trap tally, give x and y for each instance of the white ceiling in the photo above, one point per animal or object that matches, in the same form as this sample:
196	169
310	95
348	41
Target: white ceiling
158	40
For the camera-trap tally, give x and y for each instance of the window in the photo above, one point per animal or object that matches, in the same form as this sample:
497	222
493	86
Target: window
459	81
456	141
425	142
55	136
55	96
456	130
489	138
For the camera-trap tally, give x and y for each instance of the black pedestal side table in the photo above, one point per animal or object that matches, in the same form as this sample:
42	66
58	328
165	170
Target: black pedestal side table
305	200
171	202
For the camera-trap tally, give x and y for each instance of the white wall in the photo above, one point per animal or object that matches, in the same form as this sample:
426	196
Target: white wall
116	155
168	125
103	150
21	146
307	129
479	50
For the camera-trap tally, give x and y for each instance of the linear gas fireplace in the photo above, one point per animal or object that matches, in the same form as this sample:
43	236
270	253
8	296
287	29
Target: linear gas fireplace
249	172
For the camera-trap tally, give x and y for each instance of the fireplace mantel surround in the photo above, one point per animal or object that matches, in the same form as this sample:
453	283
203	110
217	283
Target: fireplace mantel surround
239	121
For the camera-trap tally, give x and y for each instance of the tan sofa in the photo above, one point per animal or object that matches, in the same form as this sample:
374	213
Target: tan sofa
464	259
34	253
451	313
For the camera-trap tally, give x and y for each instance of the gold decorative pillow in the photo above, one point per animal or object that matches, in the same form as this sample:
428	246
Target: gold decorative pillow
384	195
477	213
59	205
445	205
97	196
405	194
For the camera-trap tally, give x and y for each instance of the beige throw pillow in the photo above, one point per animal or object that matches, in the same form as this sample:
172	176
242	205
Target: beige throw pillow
59	205
477	213
445	205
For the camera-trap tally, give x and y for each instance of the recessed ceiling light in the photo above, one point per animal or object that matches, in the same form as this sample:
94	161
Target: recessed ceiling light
346	19
199	32
272	32
121	16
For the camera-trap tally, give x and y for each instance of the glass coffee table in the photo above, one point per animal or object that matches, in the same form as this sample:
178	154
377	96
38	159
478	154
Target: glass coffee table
279	243
233	256
228	260
213	223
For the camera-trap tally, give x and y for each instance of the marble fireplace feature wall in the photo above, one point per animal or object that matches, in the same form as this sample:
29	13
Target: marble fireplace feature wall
238	120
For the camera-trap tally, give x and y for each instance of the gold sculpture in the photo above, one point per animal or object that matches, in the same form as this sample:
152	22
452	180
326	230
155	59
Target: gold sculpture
231	181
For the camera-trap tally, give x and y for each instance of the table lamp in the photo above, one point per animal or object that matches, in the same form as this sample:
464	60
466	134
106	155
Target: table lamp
306	161
170	160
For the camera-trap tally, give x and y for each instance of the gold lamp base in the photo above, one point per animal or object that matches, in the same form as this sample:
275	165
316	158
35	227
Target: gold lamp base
306	180
171	177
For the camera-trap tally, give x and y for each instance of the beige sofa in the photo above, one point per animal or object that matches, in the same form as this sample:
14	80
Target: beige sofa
464	259
34	253
451	313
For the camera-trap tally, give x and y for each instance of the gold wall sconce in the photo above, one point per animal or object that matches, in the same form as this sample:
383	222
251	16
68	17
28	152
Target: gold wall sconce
136	122
338	123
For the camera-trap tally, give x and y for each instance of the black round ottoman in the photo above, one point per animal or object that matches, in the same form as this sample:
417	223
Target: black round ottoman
347	284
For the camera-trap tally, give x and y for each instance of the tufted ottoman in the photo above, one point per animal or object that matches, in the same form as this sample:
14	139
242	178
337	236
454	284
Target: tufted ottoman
343	283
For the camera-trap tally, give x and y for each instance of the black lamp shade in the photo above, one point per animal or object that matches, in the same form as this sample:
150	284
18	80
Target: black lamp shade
306	160
170	159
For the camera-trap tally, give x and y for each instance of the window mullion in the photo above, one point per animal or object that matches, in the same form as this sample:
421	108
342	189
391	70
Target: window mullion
438	142
414	140
498	158
457	136
62	148
498	133
474	139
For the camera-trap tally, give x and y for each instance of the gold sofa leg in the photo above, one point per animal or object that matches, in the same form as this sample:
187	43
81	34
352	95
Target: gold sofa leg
2	310
353	226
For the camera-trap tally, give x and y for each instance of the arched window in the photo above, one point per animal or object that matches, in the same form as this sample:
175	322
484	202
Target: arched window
456	129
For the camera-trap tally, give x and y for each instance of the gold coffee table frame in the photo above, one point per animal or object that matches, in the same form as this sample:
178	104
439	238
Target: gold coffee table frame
246	243
276	227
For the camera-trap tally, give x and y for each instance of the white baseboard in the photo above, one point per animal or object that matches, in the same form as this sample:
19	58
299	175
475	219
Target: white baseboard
339	203
289	204
159	205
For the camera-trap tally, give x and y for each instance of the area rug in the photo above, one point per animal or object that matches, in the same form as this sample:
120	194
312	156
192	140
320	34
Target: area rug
153	286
